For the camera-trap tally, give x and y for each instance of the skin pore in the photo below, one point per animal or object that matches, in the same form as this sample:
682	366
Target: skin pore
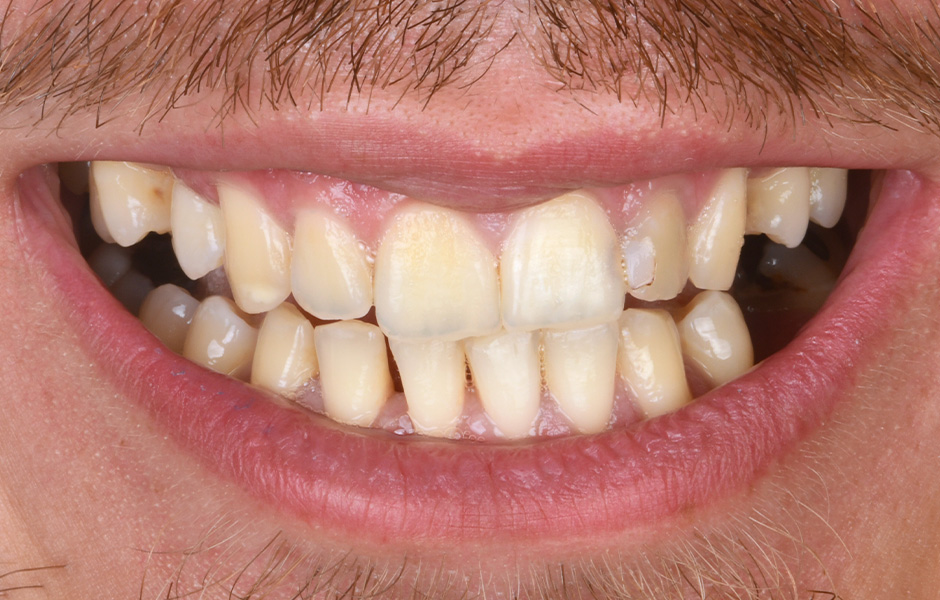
472	105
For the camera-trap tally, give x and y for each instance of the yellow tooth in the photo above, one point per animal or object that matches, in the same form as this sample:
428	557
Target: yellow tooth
561	266
778	204
220	339
655	251
167	312
330	273
434	377
129	200
580	367
110	262
828	189
506	375
717	235
257	253
198	232
285	356
354	376
715	337
434	277
650	361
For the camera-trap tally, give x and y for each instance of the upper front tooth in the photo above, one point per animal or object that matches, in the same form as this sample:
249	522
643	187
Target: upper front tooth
285	357
778	204
257	254
129	200
828	188
715	337
167	312
561	266
330	272
434	377
717	235
219	338
655	252
434	278
198	232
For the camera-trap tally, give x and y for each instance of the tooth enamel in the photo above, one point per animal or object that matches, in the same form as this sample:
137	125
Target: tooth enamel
198	232
561	266
257	253
778	204
434	278
167	312
220	339
110	262
828	189
717	235
505	369
131	289
655	251
580	366
128	200
285	356
354	376
330	273
434	377
715	337
650	361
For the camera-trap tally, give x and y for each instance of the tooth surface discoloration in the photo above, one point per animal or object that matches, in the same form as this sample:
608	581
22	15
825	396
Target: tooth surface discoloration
220	338
198	232
828	191
650	361
167	313
285	356
655	251
715	337
717	234
778	204
434	377
129	200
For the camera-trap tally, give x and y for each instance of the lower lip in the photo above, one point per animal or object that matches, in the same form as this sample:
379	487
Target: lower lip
376	487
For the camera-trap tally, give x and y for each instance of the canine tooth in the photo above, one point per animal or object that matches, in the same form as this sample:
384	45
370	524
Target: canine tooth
257	253
167	313
828	189
131	289
130	200
285	356
434	278
778	204
580	368
220	339
561	266
655	251
110	262
717	235
715	337
505	369
330	273
354	375
434	377
198	232
650	361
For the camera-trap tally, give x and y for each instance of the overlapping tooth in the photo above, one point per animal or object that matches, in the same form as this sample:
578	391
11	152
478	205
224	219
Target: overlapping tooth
828	189
650	361
505	369
129	200
220	338
778	204
715	337
580	368
434	277
257	253
717	234
434	378
331	277
655	251
198	232
354	376
561	266
167	313
285	355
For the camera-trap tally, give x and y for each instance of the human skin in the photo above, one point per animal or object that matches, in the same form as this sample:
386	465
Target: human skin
100	497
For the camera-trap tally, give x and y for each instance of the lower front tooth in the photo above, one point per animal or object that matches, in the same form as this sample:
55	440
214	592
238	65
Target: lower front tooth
434	377
717	235
128	200
285	357
655	251
198	232
715	337
828	189
778	204
580	368
167	313
220	339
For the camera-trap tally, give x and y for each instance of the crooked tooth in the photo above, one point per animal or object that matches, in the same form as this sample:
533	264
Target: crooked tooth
434	277
505	369
198	232
580	368
220	339
434	377
715	337
285	356
257	253
778	204
717	235
330	273
167	313
354	375
129	200
828	189
655	251
650	361
561	266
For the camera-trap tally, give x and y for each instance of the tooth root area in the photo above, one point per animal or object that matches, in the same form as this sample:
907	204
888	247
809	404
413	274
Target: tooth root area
715	337
655	251
198	232
167	313
129	200
828	191
285	356
778	204
717	234
220	338
434	377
